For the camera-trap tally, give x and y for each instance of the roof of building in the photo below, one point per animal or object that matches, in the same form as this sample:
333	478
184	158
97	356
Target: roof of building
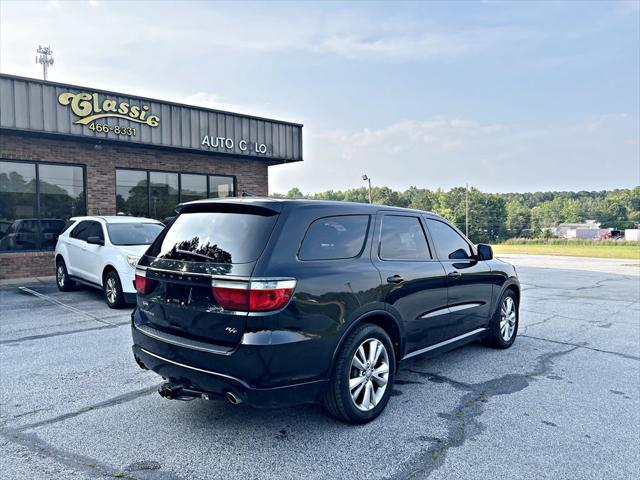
588	224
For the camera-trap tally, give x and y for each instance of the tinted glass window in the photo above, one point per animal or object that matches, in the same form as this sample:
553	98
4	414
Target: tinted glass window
131	193
334	237
133	233
94	230
402	238
448	243
81	230
192	187
220	187
216	237
164	194
61	196
29	223
17	201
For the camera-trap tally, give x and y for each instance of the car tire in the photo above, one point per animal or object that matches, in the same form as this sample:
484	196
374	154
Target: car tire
65	284
356	401
503	327
112	289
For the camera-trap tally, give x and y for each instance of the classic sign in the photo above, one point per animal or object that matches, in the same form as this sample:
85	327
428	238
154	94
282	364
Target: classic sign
89	108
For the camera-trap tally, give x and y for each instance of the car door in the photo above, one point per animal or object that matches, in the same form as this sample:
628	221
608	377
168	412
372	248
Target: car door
75	248
91	254
469	280
414	284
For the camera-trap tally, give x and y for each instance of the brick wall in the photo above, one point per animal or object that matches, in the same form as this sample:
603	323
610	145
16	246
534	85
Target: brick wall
101	161
26	265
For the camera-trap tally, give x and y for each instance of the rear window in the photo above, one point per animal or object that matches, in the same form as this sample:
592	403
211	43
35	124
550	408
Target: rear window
214	237
332	238
133	233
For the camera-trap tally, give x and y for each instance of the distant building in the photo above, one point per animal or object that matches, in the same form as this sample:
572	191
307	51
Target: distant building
632	234
586	230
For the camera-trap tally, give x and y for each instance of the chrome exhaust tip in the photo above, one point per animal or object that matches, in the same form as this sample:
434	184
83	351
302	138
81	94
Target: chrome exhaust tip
233	400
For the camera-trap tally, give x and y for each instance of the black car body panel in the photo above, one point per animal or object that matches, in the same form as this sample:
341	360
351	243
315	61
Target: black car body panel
286	356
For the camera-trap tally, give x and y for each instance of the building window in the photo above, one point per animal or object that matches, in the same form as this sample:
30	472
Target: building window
220	187
132	197
36	201
192	187
156	194
164	194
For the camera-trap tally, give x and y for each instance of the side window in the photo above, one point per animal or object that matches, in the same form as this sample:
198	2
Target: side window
332	238
448	243
402	238
80	231
95	230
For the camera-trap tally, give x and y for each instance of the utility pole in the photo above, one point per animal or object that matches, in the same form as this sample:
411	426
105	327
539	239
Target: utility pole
44	57
367	179
466	211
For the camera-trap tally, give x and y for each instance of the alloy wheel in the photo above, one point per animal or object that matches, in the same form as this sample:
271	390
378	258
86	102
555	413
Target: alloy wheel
369	374
60	275
508	318
111	290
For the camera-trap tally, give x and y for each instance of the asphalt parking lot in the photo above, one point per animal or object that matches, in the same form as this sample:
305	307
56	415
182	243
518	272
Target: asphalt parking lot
563	402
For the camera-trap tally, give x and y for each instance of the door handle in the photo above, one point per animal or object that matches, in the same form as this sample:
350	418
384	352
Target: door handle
395	279
454	275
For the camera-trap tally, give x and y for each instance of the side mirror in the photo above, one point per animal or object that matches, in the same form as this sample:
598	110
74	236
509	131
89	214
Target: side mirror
485	252
95	241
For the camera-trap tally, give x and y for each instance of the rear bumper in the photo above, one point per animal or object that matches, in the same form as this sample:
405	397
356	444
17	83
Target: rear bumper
278	370
218	384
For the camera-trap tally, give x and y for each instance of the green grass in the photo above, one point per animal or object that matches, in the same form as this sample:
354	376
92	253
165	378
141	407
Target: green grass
572	248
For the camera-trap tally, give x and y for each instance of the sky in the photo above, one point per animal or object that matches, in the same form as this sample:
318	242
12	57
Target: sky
506	96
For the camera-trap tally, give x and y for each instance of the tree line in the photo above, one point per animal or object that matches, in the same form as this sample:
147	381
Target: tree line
495	217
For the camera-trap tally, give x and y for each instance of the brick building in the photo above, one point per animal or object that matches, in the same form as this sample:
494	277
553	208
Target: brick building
68	151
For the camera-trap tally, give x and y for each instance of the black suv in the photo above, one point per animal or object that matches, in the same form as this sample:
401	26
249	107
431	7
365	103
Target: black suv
277	302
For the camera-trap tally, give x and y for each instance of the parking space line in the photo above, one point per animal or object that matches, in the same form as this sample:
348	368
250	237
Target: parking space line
58	334
118	400
64	305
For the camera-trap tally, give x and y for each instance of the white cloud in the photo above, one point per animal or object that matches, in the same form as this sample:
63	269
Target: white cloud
211	100
363	39
219	31
395	46
600	152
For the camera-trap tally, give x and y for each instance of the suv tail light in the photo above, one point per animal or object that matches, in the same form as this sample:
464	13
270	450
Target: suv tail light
260	295
143	284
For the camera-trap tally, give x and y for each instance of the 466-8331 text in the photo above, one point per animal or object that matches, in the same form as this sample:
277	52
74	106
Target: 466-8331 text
118	130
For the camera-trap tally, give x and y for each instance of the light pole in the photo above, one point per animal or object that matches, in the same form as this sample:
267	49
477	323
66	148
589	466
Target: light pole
44	57
466	211
367	179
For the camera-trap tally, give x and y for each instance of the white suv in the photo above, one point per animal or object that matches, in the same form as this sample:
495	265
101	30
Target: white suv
102	252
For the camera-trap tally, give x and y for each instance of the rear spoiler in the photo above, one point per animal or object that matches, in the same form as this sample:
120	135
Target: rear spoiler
251	206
